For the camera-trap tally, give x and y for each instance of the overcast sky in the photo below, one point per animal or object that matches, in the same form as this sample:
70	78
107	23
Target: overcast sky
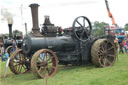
63	12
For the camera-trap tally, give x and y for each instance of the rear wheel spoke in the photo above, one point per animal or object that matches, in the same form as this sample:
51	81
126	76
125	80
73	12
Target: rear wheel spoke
111	55
104	61
110	63
110	48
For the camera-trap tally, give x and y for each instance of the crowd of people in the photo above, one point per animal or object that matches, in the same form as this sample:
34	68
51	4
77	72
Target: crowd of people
4	53
123	45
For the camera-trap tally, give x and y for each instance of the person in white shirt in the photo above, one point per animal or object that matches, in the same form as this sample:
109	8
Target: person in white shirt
2	53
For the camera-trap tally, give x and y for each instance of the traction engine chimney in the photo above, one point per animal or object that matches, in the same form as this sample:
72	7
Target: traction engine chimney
35	28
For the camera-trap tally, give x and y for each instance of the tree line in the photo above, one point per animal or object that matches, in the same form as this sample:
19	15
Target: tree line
99	27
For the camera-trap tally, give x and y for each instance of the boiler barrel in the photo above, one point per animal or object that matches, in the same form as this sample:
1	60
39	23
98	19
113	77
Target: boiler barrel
7	43
62	43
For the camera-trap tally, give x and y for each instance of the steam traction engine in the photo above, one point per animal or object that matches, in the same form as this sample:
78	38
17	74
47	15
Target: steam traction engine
8	42
77	47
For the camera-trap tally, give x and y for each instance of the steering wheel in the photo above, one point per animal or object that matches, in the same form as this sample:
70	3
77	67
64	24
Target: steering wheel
81	28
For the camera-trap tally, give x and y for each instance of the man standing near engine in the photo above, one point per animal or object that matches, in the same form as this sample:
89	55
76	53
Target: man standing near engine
14	46
2	53
116	45
116	42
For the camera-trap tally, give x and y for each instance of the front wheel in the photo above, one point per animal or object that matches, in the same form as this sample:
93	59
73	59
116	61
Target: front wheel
44	63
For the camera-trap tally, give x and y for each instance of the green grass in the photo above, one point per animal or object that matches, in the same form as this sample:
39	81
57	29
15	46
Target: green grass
76	75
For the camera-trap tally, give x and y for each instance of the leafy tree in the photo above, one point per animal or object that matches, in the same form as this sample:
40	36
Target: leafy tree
5	36
29	33
17	34
126	27
98	28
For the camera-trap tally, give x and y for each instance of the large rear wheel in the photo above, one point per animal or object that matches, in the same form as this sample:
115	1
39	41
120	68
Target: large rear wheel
103	53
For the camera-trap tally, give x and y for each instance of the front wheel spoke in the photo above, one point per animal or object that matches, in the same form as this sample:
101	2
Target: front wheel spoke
41	64
16	65
50	59
47	69
20	68
18	56
42	69
24	67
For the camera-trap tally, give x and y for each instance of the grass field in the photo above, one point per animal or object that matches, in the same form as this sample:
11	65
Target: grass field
75	75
